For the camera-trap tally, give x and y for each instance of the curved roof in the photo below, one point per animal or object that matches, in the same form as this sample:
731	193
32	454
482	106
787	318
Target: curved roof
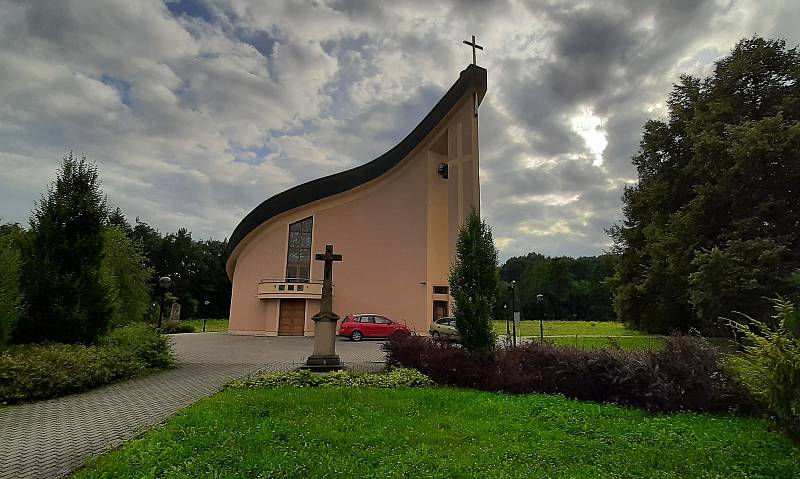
473	77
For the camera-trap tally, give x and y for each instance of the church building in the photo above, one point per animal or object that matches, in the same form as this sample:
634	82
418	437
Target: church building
394	220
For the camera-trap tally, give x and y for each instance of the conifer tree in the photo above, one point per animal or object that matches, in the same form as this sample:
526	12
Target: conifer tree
473	283
64	299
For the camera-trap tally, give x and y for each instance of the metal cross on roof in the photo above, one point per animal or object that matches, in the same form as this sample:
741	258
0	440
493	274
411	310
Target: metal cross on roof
474	46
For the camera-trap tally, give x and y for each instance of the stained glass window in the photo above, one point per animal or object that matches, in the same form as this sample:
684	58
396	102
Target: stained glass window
298	255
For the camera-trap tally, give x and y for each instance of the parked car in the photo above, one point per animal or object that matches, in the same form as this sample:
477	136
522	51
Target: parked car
357	326
444	329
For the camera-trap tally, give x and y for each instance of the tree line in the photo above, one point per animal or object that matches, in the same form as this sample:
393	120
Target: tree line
81	268
570	288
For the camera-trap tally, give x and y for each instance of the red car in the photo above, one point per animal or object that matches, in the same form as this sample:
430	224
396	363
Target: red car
357	326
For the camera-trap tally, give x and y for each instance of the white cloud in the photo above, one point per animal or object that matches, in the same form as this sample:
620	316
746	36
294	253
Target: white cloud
590	128
198	110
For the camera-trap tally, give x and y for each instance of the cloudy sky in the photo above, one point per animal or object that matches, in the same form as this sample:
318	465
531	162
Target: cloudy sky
198	110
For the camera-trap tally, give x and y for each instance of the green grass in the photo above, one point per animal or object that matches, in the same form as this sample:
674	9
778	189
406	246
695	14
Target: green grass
604	342
212	325
435	432
558	328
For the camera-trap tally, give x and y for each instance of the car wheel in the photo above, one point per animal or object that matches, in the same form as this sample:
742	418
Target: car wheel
356	336
436	336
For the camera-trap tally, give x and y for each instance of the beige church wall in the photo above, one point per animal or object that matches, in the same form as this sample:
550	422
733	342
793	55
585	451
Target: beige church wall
396	233
438	263
381	235
454	215
263	259
312	308
382	239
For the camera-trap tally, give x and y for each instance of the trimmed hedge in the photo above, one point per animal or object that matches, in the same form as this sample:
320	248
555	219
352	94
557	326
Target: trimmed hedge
176	327
684	375
396	378
34	372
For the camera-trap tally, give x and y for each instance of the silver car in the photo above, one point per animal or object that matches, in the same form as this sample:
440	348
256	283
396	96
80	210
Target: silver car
444	329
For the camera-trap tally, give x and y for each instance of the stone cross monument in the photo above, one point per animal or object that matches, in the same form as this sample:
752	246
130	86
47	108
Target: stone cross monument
324	357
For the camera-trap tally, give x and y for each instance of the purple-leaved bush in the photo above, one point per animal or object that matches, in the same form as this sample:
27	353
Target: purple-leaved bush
685	375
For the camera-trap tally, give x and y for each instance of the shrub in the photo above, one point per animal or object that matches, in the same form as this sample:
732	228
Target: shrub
396	378
175	327
683	376
29	373
770	366
145	343
34	372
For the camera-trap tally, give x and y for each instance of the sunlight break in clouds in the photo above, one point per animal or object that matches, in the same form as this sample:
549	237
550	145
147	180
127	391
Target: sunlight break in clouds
590	128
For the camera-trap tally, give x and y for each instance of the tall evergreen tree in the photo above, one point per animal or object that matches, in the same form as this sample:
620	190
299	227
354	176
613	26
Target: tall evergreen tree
473	283
64	299
713	224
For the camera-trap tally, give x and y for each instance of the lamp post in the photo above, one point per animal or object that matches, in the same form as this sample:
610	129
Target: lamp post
205	314
512	288
505	315
164	283
539	301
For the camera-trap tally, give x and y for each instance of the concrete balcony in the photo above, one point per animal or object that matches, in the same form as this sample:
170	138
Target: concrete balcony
276	288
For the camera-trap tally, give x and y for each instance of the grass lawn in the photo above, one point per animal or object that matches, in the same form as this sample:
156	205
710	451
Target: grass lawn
437	432
211	325
558	328
604	342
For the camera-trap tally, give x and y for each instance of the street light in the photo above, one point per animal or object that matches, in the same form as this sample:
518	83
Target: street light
205	313
512	288
164	283
505	315
539	300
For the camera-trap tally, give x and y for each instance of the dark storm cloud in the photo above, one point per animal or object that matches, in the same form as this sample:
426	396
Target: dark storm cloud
359	9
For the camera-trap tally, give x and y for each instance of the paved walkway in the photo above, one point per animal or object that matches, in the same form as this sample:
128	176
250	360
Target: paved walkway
52	438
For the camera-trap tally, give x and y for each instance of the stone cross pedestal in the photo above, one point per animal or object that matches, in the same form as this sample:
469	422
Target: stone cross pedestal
324	357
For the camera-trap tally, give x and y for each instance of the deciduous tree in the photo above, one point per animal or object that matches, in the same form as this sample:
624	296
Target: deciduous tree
713	224
124	273
11	237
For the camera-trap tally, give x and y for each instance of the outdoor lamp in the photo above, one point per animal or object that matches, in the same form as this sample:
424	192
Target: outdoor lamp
505	315
513	311
539	300
164	283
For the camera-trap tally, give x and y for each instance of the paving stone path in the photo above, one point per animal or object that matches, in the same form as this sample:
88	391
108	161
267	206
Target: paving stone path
51	438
